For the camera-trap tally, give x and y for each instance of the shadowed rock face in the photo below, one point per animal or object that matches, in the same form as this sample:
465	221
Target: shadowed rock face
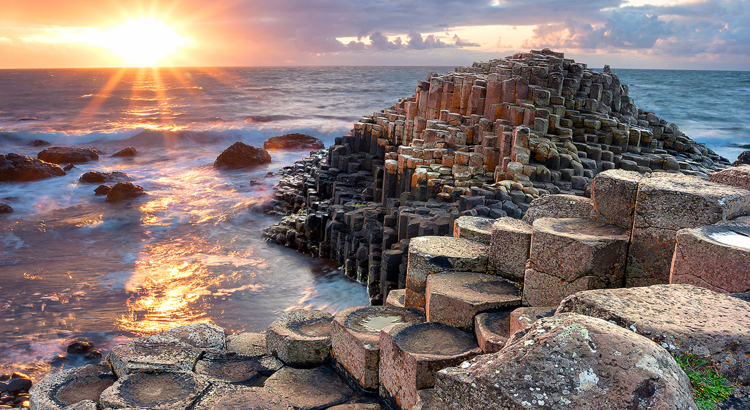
240	155
95	177
127	152
14	167
124	190
65	155
294	141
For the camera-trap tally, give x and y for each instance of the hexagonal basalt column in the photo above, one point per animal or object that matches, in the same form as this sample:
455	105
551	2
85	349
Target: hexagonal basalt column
413	354
524	317
355	344
396	298
200	335
473	228
667	203
716	257
309	389
71	386
492	330
301	337
570	255
439	254
220	367
455	298
163	391
228	397
614	193
153	354
509	248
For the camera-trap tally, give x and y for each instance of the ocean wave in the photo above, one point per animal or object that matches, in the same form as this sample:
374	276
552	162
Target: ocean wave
268	118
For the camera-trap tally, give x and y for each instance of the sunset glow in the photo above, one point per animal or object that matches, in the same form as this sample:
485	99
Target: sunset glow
143	42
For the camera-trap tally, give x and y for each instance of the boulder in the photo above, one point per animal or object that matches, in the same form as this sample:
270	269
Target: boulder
742	159
737	176
240	155
309	389
153	354
79	347
102	190
227	397
200	335
127	152
95	177
124	190
163	391
572	362
19	168
57	391
64	155
559	206
247	344
667	203
38	143
680	318
492	330
355	340
413	353
455	298
5	208
437	254
614	193
509	248
294	141
301	337
473	228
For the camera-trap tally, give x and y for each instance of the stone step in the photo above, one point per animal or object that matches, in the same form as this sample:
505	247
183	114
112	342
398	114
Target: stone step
71	386
492	330
455	298
570	255
412	354
559	206
477	229
355	338
437	254
715	257
509	248
396	298
301	337
228	397
309	389
614	193
168	390
523	317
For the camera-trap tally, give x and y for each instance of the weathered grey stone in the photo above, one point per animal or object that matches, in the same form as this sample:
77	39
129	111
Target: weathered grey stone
412	355
355	340
233	369
396	298
309	389
524	317
200	335
455	298
301	337
428	400
614	193
70	387
473	228
438	254
509	248
83	405
357	406
681	318
241	398
715	257
155	391
492	330
667	203
247	344
153	354
543	289
735	176
569	361
559	206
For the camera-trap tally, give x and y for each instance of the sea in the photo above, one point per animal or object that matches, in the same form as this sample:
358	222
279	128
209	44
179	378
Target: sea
73	267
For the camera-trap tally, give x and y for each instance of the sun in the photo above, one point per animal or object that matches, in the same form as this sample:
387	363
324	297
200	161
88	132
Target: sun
143	42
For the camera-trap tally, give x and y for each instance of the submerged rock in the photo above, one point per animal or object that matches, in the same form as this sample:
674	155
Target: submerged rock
102	190
38	143
294	141
124	190
5	208
241	155
62	155
14	167
95	177
127	152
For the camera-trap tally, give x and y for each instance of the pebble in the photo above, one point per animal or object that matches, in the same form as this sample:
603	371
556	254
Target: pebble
14	390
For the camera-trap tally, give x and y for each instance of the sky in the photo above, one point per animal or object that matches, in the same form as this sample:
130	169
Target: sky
694	34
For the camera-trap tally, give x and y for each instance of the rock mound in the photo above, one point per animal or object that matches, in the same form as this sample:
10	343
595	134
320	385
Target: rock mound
38	143
124	190
294	141
5	208
64	155
95	177
127	152
14	167
240	155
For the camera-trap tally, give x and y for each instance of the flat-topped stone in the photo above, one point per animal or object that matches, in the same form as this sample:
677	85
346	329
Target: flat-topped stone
229	368
355	340
455	298
157	391
428	400
524	317
228	397
569	255
734	176
413	353
614	193
509	248
438	254
69	387
200	335
569	361
247	344
396	298
84	405
301	337
155	353
473	228
492	330
559	206
357	406
681	318
309	389
667	203
715	257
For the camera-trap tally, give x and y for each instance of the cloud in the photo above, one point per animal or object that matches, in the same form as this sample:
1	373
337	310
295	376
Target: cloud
461	43
416	42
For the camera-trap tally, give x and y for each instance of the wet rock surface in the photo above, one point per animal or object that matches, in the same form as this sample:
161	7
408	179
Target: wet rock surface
240	155
126	152
122	191
5	208
294	141
64	155
19	168
95	177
